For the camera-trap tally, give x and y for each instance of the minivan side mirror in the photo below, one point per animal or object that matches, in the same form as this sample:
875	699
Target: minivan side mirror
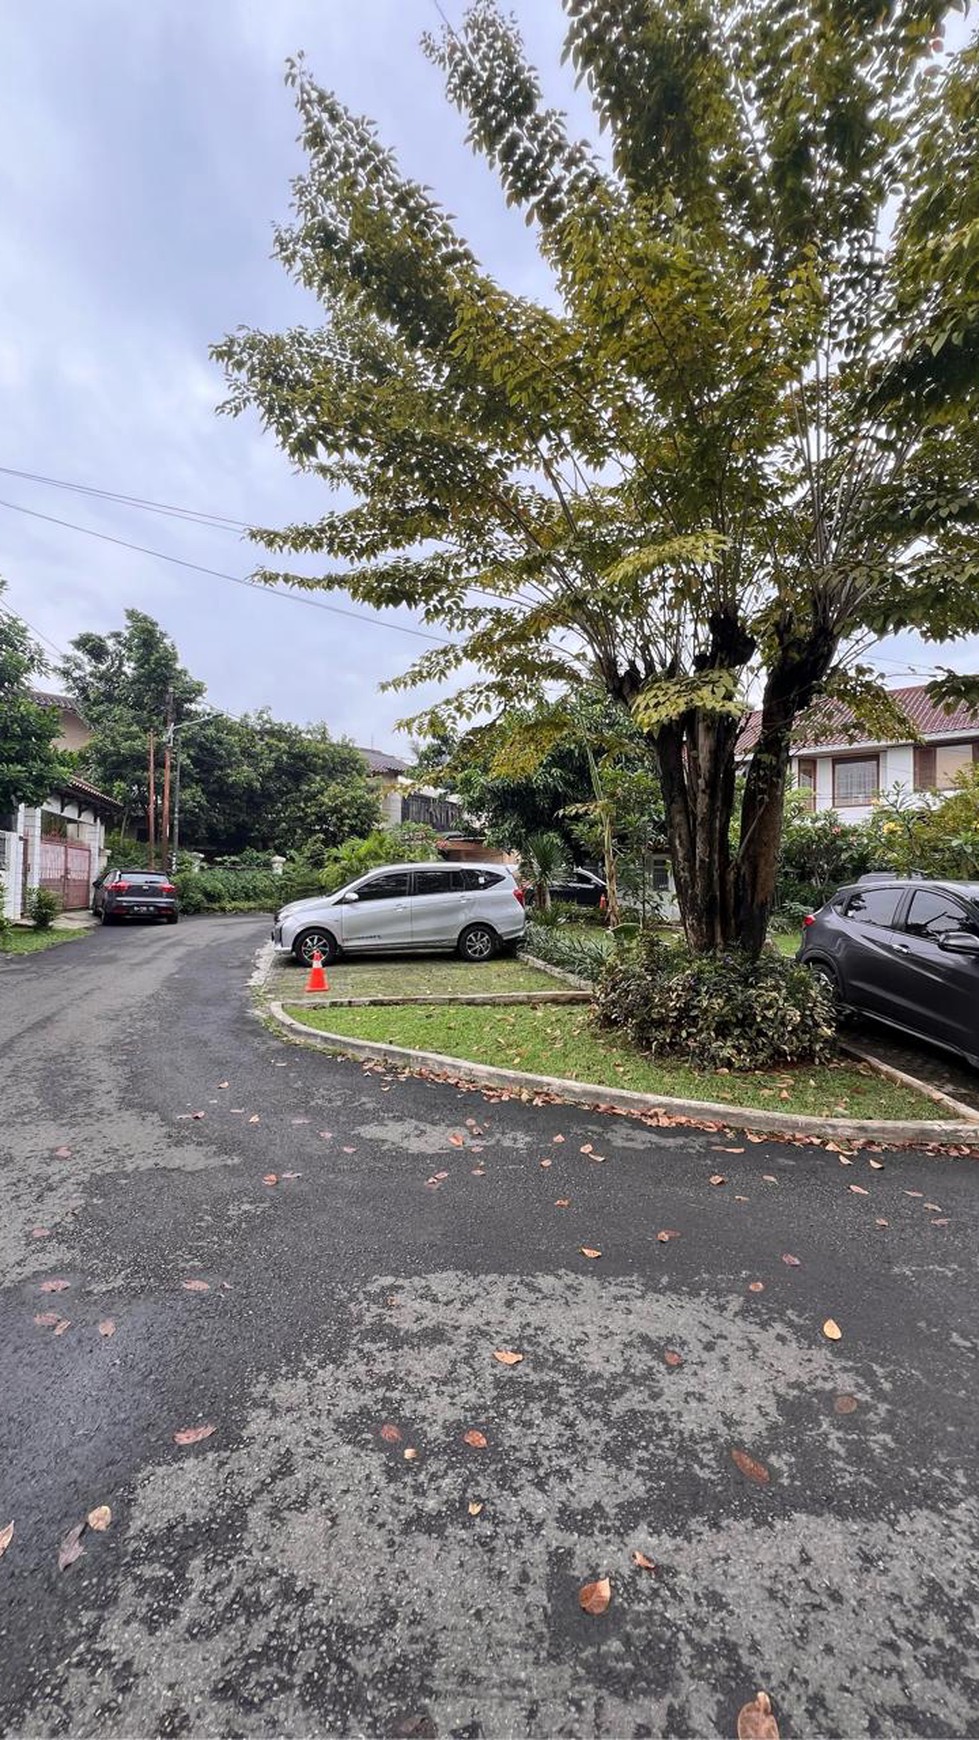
959	942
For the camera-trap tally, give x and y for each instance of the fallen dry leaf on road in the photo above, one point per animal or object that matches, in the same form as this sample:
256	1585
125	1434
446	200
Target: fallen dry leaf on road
588	1251
940	1222
880	1222
595	1597
99	1518
71	1547
475	1439
546	1164
587	1148
353	1151
756	1286
62	1324
196	1286
914	1193
473	1508
254	1119
730	1150
54	1286
6	1536
791	1261
457	1140
876	1165
641	1560
672	1358
193	1434
769	1178
478	1171
557	1138
506	1357
46	1319
198	1114
270	1178
858	1190
717	1178
107	1327
755	1720
439	1175
290	1174
666	1235
751	1469
390	1434
562	1202
752	1137
63	1153
224	1084
846	1405
40	1232
934	1207
832	1330
410	1455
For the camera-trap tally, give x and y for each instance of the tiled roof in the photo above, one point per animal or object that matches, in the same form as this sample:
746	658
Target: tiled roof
378	762
45	699
81	788
829	721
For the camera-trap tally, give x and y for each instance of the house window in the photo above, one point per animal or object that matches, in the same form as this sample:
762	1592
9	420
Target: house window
660	875
855	780
937	765
807	779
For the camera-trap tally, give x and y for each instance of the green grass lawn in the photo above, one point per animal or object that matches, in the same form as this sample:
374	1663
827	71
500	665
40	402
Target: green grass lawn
418	976
562	1041
20	941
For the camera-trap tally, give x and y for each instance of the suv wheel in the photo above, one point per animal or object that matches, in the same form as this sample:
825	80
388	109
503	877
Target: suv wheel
822	970
308	941
479	943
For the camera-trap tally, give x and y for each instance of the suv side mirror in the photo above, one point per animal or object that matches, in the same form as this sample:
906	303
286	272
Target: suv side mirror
959	942
351	898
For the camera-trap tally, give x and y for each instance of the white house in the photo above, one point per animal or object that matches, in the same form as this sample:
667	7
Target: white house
838	773
60	843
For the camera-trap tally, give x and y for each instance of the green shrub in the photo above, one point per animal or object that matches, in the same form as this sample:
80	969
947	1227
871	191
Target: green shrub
568	948
717	1011
43	908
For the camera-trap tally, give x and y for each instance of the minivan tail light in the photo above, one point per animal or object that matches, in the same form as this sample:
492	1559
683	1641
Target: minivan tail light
518	894
808	920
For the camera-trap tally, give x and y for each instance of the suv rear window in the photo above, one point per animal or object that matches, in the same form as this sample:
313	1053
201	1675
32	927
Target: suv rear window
143	876
875	906
473	879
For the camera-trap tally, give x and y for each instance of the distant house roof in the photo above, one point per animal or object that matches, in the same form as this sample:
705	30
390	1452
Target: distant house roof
830	721
45	699
378	761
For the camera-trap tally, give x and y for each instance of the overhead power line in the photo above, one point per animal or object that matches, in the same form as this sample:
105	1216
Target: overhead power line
220	522
235	579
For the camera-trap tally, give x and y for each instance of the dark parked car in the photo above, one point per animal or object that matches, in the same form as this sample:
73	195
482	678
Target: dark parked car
583	888
905	952
135	894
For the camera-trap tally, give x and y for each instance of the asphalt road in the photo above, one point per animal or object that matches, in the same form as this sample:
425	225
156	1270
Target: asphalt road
296	1572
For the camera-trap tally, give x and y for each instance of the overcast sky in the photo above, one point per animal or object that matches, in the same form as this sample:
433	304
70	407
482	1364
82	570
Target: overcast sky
146	148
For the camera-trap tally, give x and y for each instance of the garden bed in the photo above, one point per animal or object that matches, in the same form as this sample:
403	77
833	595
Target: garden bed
558	1041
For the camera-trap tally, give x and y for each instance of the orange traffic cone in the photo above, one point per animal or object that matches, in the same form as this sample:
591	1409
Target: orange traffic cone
317	980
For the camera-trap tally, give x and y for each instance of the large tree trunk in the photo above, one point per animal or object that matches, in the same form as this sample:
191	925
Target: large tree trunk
695	756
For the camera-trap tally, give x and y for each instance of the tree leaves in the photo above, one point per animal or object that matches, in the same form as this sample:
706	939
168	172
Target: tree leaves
473	1507
641	1562
832	1330
474	1439
507	1357
750	1468
589	1251
99	1518
717	1178
193	1434
594	1597
666	1234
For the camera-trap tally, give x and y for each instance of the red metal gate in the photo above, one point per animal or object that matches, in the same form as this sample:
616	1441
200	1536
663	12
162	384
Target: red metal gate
65	868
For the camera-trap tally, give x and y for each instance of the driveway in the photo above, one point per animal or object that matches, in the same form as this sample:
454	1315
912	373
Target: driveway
296	1571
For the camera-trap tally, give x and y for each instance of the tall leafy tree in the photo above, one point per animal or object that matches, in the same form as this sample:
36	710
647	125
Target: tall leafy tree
30	766
720	447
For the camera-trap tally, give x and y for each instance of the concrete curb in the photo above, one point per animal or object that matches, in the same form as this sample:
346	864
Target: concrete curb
902	1078
595	1096
557	973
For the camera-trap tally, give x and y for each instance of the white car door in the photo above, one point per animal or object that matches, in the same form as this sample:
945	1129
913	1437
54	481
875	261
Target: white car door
380	917
437	907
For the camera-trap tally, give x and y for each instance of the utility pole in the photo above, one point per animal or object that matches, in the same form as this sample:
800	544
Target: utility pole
151	807
165	820
175	845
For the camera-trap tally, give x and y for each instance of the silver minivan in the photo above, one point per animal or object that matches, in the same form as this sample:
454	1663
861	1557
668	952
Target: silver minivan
471	909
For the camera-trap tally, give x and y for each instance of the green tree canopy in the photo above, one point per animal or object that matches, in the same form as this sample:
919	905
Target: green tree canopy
30	766
719	448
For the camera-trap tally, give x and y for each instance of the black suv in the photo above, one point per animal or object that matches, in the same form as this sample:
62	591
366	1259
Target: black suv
905	952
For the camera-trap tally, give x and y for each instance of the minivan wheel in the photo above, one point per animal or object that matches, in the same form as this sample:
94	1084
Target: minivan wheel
477	944
308	941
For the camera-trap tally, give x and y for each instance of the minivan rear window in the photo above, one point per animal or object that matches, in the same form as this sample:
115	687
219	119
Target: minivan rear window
472	879
875	906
